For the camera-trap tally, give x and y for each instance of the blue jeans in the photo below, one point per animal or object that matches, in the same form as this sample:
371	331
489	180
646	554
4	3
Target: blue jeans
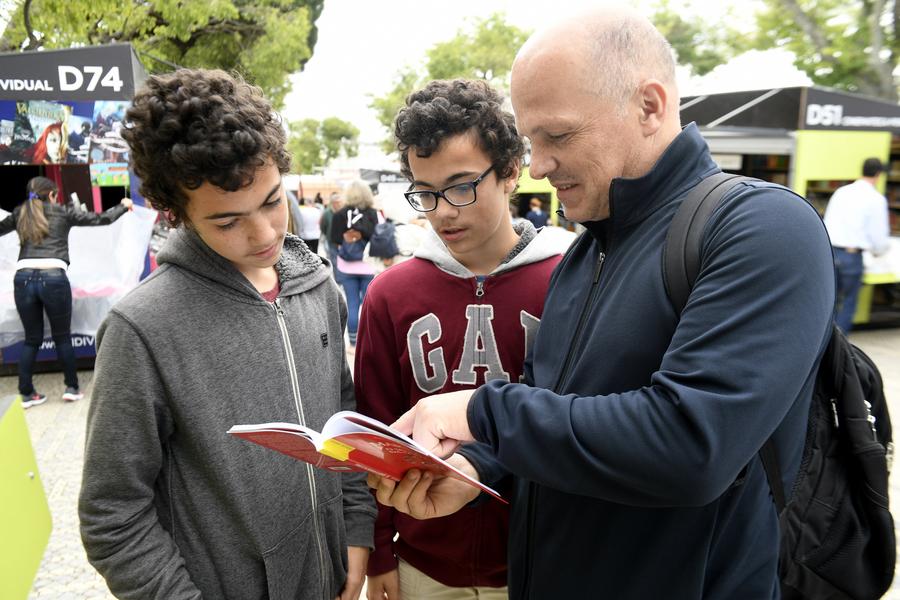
355	287
848	272
37	291
332	256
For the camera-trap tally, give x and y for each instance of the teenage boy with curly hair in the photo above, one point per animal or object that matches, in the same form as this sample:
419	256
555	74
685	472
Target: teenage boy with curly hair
241	323
460	313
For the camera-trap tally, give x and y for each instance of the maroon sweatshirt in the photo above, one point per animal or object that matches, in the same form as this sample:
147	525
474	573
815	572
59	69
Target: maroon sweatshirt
428	326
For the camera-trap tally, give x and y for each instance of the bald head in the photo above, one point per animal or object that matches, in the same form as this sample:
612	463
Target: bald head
596	96
610	50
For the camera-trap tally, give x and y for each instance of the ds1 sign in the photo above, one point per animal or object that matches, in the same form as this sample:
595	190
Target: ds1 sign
826	115
74	78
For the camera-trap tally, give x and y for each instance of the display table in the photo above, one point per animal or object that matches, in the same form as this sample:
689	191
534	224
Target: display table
24	514
879	270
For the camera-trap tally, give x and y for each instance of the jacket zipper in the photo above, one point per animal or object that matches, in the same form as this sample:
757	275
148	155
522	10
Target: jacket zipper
532	487
479	288
295	388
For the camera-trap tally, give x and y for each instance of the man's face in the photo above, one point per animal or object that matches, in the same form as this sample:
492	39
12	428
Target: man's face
247	226
577	139
466	230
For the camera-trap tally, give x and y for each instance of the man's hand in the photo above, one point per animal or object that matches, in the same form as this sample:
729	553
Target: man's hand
384	587
438	422
424	496
357	561
127	203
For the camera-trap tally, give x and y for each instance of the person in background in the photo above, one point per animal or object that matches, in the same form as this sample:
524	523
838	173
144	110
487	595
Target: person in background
355	222
633	438
325	226
536	215
514	214
308	229
77	140
462	311
295	221
41	285
240	323
857	220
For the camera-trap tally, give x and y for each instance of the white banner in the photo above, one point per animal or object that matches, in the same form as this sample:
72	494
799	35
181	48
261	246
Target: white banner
106	263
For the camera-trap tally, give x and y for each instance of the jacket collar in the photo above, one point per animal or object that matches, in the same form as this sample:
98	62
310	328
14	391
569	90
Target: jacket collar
298	268
682	165
538	246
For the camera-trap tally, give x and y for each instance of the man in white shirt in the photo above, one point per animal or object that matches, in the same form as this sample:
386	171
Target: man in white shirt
857	220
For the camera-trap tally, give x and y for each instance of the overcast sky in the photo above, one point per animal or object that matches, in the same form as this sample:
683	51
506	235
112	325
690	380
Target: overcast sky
362	44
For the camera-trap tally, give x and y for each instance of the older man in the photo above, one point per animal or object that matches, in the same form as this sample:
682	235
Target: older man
633	440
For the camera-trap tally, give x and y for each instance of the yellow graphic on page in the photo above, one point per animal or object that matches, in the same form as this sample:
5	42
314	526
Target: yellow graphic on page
336	449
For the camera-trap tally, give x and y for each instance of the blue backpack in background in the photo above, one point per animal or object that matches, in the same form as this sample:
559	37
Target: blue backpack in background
383	243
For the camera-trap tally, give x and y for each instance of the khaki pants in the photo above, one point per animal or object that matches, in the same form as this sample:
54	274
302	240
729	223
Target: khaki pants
416	585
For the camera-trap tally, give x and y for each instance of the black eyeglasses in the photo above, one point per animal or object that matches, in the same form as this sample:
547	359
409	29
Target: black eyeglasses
460	194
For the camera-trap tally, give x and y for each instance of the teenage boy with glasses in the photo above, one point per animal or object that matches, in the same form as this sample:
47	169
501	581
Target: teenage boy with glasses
462	312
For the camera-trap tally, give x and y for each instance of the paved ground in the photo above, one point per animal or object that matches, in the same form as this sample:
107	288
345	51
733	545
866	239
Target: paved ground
57	433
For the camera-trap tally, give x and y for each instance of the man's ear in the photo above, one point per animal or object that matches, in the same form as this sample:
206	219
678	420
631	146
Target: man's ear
652	97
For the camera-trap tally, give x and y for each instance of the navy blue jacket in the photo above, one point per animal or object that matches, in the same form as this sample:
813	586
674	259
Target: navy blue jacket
630	439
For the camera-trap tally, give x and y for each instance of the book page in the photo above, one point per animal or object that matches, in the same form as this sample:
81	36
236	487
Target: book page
384	450
292	440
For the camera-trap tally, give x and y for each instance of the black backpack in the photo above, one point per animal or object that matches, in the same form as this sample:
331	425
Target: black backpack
837	533
383	243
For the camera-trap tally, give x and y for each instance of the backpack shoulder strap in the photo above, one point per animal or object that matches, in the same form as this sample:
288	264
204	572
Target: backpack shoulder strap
681	265
681	254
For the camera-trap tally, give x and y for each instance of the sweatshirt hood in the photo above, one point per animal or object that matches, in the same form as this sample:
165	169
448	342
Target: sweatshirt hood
298	268
534	246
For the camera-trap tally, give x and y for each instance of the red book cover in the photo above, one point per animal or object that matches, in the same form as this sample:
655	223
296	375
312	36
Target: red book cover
350	441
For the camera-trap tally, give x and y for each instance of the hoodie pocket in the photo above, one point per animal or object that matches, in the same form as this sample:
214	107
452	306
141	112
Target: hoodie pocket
306	566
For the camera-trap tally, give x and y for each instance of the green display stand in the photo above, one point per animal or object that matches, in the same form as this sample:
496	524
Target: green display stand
527	185
864	299
24	514
863	305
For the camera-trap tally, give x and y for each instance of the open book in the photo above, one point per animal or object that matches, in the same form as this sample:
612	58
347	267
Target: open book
350	441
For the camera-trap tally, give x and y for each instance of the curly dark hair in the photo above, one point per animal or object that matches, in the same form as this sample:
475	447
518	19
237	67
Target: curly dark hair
446	108
197	125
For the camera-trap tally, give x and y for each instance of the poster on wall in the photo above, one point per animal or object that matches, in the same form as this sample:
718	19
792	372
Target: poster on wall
43	132
109	175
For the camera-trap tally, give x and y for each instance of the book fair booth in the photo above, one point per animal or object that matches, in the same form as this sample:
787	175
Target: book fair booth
60	116
812	140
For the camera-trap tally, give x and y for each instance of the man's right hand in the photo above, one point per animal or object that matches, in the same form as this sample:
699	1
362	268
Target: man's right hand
424	496
383	587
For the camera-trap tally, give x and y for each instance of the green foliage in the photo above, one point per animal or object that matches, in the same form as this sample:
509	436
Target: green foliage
847	44
263	40
387	106
484	49
701	46
314	144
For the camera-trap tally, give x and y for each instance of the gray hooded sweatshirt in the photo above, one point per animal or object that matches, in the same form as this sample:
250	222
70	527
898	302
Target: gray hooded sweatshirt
171	506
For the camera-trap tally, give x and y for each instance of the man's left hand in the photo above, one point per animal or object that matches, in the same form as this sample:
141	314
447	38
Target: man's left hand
439	422
357	561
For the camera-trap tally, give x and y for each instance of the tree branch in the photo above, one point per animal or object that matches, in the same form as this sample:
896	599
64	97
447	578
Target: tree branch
811	29
882	70
33	42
